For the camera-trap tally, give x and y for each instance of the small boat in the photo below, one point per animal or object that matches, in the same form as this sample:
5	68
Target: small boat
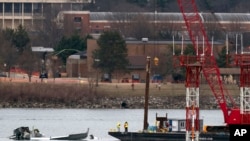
23	133
78	136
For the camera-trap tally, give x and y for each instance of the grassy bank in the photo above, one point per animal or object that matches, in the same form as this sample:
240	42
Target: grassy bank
106	95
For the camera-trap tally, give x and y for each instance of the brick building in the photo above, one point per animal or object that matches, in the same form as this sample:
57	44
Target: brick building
94	23
137	53
87	22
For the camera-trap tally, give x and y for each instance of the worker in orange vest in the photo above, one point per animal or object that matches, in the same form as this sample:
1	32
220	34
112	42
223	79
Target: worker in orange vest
126	126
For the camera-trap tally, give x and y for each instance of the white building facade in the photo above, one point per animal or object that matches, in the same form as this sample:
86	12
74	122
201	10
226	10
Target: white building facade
29	12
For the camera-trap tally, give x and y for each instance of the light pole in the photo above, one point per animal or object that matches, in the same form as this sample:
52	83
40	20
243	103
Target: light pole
44	71
144	40
5	65
79	70
96	62
145	125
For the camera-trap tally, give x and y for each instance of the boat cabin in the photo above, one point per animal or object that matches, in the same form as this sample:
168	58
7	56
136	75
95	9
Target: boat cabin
164	124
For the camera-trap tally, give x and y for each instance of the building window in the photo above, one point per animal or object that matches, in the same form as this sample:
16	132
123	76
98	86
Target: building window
107	26
1	7
37	7
27	7
8	7
77	19
182	124
17	7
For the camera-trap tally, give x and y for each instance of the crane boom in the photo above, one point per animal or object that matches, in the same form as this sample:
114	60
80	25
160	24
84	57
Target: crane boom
197	34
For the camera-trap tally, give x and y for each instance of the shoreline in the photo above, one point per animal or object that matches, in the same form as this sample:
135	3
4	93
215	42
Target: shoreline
105	96
116	103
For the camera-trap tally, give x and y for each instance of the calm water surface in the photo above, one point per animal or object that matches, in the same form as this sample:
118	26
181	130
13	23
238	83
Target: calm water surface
57	122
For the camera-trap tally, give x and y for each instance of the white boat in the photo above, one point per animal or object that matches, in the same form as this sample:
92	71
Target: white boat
23	133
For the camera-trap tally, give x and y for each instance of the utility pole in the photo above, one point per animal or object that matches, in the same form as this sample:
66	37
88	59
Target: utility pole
145	125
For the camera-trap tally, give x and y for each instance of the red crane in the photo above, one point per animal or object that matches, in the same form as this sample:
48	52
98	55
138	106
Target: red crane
197	34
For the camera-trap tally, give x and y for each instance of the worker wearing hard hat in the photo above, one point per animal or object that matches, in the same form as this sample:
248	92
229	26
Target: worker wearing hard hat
118	126
126	126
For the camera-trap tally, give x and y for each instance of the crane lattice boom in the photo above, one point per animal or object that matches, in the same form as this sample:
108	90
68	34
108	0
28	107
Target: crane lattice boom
197	34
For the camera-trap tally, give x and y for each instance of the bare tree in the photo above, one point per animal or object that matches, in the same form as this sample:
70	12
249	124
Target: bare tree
213	27
48	33
167	29
28	61
8	53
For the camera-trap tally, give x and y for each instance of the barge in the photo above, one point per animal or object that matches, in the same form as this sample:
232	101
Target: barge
173	130
169	136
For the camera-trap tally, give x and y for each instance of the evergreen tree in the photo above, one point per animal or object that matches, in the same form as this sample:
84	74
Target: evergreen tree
189	50
112	53
179	74
222	58
71	45
20	38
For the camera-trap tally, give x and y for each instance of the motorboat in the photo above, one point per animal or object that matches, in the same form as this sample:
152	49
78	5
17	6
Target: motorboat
23	133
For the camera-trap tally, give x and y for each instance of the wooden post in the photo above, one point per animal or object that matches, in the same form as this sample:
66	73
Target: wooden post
145	125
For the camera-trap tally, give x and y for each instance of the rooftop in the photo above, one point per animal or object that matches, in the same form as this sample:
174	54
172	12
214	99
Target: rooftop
210	17
45	1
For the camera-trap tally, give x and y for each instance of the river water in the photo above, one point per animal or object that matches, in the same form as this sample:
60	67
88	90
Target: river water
57	122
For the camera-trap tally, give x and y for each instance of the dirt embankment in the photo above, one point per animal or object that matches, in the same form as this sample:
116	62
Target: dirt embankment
49	95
